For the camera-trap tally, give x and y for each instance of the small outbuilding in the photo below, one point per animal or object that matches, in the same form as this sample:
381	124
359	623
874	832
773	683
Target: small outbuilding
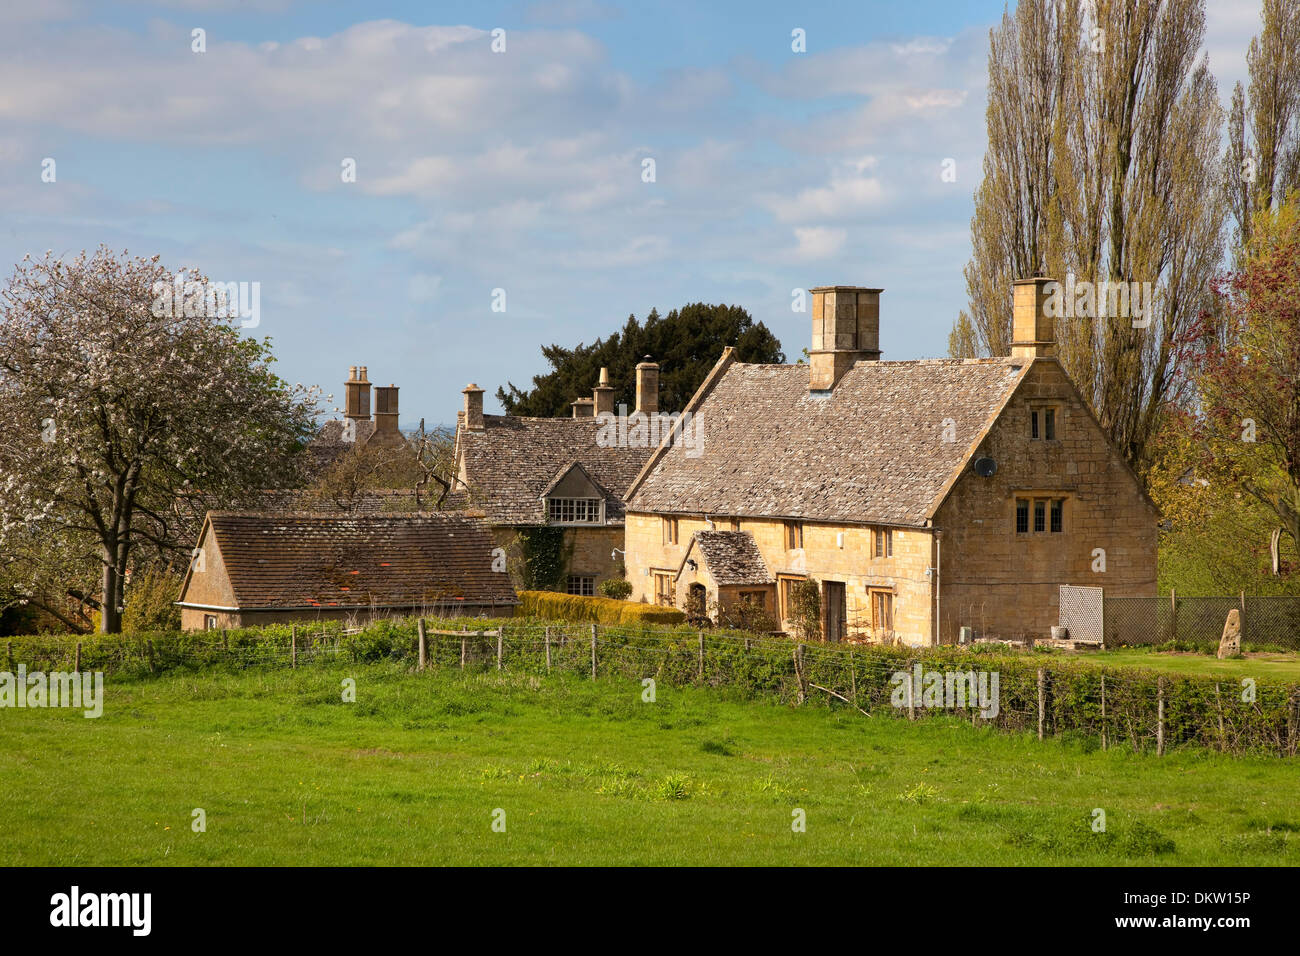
253	568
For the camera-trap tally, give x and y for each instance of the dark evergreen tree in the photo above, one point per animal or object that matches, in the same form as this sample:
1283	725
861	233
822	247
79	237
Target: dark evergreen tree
686	343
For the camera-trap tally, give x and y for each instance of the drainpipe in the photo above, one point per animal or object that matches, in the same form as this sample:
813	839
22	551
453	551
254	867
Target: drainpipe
938	561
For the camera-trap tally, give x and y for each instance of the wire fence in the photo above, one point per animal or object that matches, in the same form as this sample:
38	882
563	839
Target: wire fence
1267	623
1046	694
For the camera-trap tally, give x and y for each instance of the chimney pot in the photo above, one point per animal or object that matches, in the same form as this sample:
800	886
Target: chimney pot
1033	333
356	391
386	411
603	395
647	387
473	407
845	330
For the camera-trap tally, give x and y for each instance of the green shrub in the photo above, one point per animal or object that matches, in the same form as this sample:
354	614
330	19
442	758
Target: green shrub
149	601
616	588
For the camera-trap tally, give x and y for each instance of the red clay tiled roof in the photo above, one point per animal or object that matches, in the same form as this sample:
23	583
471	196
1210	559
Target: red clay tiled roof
337	560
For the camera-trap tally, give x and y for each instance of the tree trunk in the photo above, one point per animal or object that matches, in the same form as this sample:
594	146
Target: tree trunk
110	621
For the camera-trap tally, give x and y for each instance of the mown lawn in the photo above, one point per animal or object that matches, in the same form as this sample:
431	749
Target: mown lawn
588	773
1284	667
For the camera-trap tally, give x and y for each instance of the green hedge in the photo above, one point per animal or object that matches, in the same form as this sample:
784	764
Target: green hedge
599	610
1208	712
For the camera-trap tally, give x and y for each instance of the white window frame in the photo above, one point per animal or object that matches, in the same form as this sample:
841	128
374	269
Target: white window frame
575	511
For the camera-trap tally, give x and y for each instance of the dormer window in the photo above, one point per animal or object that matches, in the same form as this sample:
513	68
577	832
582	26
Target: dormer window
575	510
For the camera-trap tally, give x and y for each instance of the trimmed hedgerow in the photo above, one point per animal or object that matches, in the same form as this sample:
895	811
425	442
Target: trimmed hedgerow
598	610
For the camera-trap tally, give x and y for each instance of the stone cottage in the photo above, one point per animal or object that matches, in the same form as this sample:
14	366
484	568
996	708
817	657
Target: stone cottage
569	474
921	497
261	568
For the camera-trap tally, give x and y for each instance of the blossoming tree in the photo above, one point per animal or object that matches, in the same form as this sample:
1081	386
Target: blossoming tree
116	410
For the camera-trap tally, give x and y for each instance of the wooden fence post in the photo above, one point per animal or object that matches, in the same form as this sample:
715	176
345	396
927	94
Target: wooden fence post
424	644
1103	711
1042	701
701	655
593	652
9	654
1243	617
293	646
853	675
1160	716
798	673
76	663
1173	615
1291	721
462	650
547	638
1218	701
499	640
911	702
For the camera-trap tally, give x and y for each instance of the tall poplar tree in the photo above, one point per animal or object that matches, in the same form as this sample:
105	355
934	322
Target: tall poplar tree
1103	130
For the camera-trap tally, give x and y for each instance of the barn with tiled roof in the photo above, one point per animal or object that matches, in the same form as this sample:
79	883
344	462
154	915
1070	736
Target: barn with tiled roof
261	567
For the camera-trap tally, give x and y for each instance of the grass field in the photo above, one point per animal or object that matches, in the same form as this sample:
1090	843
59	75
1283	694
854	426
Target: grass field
588	773
1284	667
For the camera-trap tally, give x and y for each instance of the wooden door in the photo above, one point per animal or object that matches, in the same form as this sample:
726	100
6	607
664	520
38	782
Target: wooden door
836	601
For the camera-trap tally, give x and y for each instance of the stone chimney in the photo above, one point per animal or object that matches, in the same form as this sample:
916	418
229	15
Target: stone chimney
1032	332
583	408
386	411
845	330
647	387
603	394
356	405
473	407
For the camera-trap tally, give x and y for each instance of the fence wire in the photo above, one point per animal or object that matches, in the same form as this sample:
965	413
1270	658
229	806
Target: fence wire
1049	695
1267	623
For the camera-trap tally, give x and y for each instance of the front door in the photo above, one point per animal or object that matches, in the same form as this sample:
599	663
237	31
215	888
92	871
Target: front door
836	609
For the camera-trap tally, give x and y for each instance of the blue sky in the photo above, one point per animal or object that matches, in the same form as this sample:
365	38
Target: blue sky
519	170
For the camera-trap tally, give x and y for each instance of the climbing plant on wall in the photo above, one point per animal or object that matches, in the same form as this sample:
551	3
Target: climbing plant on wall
545	554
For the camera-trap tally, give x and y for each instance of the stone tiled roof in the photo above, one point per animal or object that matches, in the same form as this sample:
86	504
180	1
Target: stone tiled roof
340	561
513	460
369	501
870	451
732	557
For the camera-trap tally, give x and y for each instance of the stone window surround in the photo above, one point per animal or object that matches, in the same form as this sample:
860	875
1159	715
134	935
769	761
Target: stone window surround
1038	421
1046	496
667	575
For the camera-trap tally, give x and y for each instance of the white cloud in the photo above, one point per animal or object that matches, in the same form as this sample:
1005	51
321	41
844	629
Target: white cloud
817	242
849	194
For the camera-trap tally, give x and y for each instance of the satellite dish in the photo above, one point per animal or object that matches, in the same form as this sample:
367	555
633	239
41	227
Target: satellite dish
986	467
